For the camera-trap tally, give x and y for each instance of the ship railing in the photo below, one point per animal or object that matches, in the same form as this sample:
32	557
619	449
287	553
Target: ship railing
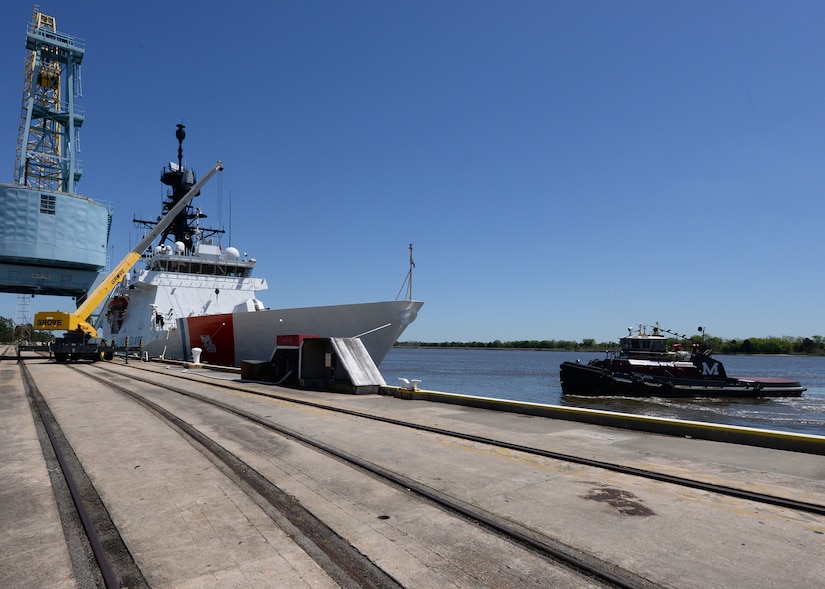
191	265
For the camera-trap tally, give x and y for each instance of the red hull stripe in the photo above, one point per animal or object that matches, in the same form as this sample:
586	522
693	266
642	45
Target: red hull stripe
215	335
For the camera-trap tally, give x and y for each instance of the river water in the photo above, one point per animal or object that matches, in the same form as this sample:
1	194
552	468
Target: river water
526	375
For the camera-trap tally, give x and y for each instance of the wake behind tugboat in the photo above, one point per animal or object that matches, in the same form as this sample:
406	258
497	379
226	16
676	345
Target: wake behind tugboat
646	368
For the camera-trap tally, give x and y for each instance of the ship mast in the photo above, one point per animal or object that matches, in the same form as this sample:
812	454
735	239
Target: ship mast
184	228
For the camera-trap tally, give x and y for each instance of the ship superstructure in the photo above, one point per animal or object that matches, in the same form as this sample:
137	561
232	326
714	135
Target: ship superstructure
52	240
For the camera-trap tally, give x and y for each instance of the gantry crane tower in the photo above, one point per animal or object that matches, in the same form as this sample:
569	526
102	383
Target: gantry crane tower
50	120
53	241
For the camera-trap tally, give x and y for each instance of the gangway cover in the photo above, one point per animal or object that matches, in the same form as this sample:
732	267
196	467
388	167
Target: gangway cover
353	355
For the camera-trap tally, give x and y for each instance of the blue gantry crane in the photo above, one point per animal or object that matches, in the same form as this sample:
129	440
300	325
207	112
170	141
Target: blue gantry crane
53	241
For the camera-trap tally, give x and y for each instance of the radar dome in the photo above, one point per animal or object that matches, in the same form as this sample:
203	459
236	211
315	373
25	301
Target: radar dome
180	248
232	253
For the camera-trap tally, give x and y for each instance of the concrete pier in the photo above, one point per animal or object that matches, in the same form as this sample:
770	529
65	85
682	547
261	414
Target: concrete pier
187	525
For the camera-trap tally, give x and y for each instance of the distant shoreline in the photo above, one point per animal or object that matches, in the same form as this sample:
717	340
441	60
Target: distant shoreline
596	350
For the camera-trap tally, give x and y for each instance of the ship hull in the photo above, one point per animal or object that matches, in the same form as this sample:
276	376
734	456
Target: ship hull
227	339
230	338
594	380
166	314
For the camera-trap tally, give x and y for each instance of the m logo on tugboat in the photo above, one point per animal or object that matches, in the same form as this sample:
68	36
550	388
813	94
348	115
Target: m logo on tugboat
712	370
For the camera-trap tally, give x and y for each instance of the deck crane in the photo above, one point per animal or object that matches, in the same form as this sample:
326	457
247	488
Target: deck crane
81	341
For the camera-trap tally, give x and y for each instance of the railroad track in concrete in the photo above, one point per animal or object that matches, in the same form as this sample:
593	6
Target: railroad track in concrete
339	559
607	574
549	546
345	565
124	379
715	488
99	558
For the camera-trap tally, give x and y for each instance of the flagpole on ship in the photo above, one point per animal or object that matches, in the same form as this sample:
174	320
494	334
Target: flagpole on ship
407	279
412	265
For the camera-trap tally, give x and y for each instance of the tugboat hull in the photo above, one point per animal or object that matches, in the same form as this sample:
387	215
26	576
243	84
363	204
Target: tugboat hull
595	380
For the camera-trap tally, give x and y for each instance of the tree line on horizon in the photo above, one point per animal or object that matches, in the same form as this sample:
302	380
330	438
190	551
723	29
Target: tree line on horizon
9	332
752	345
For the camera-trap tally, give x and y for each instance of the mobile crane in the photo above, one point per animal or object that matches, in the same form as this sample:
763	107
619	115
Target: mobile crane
81	341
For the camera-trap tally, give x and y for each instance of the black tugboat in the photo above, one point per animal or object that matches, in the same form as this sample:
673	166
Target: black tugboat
646	368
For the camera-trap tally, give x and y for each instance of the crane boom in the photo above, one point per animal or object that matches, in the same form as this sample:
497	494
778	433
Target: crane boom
77	321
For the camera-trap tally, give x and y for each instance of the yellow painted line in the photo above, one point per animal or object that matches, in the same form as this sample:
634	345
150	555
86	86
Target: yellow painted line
734	434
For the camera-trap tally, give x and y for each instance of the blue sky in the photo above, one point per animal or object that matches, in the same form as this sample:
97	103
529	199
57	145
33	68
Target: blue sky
563	169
